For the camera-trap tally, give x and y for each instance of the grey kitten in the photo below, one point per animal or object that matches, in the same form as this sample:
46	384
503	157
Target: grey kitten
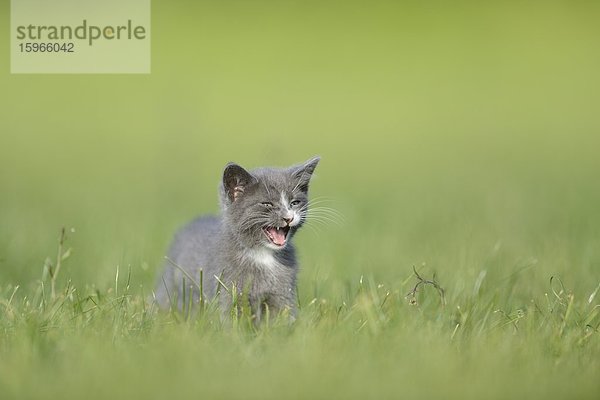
248	246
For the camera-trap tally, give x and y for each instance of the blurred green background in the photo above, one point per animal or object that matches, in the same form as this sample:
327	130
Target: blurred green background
446	129
459	135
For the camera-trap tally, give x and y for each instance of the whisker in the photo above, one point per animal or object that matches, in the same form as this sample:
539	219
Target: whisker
252	221
326	212
311	207
324	221
267	188
332	214
314	229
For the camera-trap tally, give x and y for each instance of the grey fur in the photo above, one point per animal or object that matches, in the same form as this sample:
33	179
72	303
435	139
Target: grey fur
233	245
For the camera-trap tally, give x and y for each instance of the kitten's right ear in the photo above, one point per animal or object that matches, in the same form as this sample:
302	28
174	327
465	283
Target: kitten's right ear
303	173
235	181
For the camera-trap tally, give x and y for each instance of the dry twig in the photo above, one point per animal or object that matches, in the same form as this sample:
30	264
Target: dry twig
412	295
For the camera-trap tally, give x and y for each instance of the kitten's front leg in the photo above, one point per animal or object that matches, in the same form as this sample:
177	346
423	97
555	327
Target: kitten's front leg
237	305
283	304
272	305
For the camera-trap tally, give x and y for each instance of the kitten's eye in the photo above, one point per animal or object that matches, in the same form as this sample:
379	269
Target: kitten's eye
267	204
294	203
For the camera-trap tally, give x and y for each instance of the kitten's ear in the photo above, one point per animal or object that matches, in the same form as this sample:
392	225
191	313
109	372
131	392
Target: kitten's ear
304	172
235	181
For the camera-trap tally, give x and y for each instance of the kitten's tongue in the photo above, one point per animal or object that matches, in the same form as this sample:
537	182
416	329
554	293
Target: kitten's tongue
277	235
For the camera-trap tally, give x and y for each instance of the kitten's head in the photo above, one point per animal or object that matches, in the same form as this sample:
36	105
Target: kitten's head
265	206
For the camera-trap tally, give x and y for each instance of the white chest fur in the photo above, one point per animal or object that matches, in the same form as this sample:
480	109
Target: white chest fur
262	258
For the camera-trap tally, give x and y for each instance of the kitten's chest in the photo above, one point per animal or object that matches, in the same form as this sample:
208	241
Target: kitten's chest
267	271
264	276
262	259
261	272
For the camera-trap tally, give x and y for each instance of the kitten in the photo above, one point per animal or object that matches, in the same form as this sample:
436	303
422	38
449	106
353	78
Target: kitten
248	246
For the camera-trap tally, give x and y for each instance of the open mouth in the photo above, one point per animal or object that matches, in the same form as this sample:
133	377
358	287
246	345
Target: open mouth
276	235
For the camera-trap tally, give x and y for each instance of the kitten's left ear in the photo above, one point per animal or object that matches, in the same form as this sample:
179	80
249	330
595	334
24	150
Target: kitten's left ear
304	172
235	181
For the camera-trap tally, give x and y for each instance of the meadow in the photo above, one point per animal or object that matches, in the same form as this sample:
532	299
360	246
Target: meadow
457	138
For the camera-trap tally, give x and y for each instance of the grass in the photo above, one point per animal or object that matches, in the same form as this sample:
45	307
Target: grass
460	140
369	339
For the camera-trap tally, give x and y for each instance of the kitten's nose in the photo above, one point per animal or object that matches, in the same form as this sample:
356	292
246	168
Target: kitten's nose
288	219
